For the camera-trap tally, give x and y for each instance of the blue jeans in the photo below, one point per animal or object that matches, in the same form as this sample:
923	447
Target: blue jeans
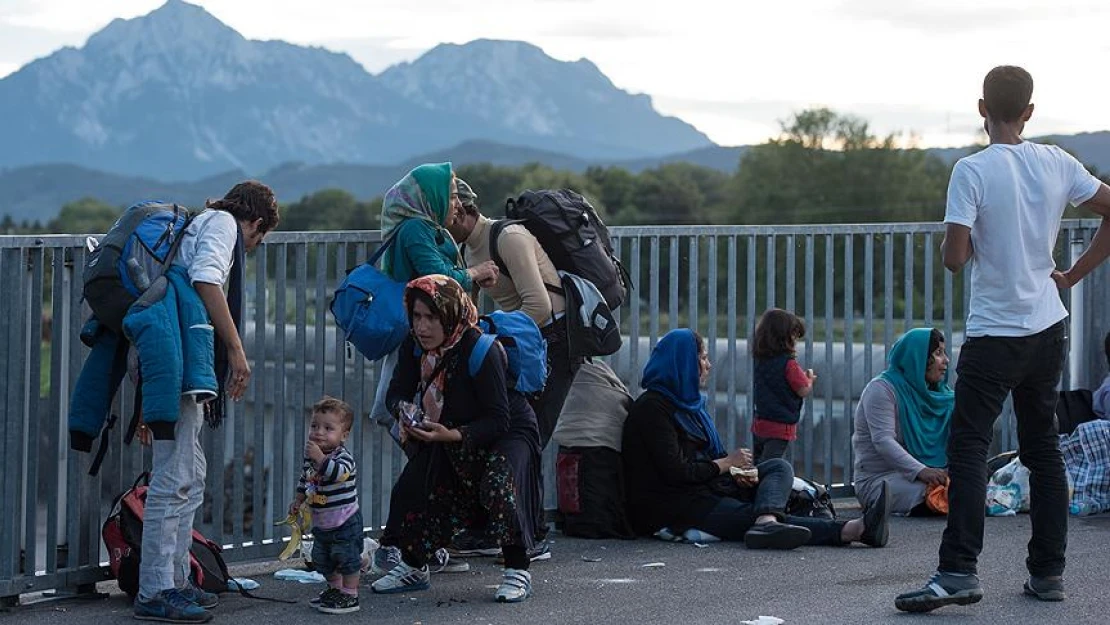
338	550
176	491
731	518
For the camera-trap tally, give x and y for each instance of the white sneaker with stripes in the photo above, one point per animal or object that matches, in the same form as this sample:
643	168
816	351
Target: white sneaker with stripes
402	578
516	586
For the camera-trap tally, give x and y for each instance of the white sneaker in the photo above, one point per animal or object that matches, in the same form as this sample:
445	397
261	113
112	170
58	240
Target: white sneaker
516	586
402	578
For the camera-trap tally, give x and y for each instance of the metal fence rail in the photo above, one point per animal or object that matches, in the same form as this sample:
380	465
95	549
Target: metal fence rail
858	287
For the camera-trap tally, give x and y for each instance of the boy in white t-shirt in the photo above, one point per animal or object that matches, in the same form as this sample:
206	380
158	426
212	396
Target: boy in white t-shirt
213	242
1004	209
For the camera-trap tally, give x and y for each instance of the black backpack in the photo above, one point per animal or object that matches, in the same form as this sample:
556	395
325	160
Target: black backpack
573	236
809	499
590	485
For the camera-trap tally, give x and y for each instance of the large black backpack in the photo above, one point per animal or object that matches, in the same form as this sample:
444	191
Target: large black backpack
573	236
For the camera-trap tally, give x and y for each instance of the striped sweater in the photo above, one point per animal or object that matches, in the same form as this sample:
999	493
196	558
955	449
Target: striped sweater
330	489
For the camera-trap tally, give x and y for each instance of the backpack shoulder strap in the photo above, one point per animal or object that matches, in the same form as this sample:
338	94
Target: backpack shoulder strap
495	230
478	354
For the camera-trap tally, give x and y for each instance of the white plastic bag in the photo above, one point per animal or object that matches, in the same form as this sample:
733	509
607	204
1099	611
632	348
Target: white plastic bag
1008	490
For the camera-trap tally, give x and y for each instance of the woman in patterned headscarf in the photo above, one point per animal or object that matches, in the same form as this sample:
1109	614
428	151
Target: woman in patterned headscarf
473	443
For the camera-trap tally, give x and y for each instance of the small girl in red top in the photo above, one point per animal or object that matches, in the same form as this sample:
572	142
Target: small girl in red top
779	383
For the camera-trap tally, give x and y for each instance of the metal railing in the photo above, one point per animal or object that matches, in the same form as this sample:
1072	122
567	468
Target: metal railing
858	287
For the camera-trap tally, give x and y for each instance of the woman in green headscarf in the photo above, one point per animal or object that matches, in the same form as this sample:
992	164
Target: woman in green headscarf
416	211
901	424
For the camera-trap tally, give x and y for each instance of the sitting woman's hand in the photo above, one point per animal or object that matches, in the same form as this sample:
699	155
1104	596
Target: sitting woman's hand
430	432
932	477
741	458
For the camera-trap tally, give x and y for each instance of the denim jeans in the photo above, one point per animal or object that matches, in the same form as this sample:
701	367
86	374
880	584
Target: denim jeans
991	367
176	491
338	550
731	517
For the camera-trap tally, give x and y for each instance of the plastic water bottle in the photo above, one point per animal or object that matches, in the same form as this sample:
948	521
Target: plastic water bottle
138	274
1082	508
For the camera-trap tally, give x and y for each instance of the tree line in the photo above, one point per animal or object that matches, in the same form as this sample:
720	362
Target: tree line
825	167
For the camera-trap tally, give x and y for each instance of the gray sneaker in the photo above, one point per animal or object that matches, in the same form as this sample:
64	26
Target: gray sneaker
385	559
1045	588
942	589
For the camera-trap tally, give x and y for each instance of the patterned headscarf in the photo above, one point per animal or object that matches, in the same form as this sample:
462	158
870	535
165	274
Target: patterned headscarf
424	193
457	313
467	195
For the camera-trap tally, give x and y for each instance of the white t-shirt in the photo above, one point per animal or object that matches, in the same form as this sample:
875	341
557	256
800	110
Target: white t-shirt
1013	197
206	251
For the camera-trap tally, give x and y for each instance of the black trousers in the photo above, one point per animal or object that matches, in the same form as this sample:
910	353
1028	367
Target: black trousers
560	377
989	368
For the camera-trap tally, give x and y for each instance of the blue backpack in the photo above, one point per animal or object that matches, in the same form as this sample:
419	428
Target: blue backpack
369	307
137	249
523	343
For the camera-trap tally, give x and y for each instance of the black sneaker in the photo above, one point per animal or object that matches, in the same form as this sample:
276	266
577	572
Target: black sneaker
1045	588
876	520
338	602
775	535
541	551
942	589
315	601
467	545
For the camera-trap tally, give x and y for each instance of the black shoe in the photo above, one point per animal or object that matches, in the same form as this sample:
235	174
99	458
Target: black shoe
876	520
776	535
942	589
338	602
1045	589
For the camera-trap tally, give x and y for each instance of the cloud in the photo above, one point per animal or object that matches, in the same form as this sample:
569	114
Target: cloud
947	16
594	30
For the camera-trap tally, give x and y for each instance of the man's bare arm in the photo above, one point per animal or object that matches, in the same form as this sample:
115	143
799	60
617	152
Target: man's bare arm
956	247
1098	250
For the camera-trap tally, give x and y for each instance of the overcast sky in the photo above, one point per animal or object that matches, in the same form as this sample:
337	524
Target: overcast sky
733	68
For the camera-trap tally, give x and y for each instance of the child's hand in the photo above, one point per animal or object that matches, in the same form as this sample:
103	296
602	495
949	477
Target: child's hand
811	376
295	507
313	451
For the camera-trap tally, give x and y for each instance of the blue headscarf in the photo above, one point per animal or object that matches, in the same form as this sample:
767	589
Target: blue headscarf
924	413
672	371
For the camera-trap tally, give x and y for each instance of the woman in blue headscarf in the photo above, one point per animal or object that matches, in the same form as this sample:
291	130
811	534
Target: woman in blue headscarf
901	424
678	475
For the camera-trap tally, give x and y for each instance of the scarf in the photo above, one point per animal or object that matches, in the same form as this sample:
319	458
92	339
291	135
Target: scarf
672	370
425	194
214	410
923	412
458	314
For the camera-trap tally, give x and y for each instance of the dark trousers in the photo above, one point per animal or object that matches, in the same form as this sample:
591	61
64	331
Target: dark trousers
732	517
991	367
560	376
767	448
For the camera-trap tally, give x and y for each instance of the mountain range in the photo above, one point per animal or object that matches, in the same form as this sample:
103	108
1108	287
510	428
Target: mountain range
176	95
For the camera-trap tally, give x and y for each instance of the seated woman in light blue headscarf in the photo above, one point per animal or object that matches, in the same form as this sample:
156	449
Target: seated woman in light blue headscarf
901	424
678	475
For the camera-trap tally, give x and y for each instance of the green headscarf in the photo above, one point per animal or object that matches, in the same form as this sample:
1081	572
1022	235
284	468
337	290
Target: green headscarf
923	412
424	193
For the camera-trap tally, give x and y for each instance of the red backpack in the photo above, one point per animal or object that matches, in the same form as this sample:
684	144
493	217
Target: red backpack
123	536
